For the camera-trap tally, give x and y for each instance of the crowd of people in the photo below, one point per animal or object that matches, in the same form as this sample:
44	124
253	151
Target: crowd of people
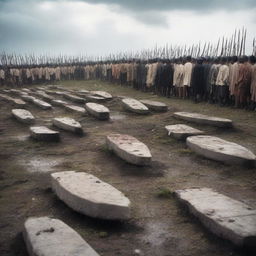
228	81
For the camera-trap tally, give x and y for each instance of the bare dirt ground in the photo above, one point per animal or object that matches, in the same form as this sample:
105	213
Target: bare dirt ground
159	225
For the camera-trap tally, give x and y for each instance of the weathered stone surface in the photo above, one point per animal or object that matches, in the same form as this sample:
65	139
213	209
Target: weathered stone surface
129	149
155	105
222	215
44	96
68	124
103	94
135	106
89	195
23	115
51	237
182	131
42	104
74	98
221	150
99	111
26	90
204	119
44	134
94	98
76	109
28	98
16	102
59	102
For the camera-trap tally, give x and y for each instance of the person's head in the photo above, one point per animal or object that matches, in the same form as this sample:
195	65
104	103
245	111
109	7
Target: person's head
252	59
223	60
200	61
188	58
234	59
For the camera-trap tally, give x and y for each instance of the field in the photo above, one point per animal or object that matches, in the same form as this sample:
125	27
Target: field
159	226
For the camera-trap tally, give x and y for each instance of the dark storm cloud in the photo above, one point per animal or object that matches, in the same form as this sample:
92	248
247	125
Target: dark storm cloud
162	5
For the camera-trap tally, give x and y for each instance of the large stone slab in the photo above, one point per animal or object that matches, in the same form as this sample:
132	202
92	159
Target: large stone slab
23	115
94	98
68	124
14	101
28	98
59	102
221	150
51	237
182	131
44	96
74	98
155	105
42	104
204	119
103	94
74	108
134	106
99	111
129	149
43	133
222	215
89	195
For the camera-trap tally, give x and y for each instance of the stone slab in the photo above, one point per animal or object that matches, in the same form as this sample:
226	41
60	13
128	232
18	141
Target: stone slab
14	101
204	119
94	98
129	149
59	102
103	94
28	98
222	215
97	110
46	236
43	133
182	131
76	109
42	104
89	195
44	96
155	105
221	150
134	106
74	98
68	124
23	115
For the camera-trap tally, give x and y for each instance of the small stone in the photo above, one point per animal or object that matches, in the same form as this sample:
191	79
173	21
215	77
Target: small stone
135	106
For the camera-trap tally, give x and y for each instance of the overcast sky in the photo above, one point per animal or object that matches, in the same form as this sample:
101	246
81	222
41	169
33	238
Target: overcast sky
100	27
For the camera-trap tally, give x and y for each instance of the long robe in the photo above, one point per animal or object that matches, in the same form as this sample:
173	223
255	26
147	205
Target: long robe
198	79
253	83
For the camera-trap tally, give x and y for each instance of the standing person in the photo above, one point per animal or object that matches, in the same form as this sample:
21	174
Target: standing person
233	76
207	68
2	76
222	82
188	67
253	83
214	70
198	80
242	87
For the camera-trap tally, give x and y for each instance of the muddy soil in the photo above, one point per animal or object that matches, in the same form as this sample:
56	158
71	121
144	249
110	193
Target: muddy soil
159	225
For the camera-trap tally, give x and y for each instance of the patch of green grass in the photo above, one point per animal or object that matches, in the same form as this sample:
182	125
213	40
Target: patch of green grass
163	193
183	151
103	234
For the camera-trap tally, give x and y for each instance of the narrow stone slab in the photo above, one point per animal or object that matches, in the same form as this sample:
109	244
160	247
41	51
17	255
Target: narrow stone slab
94	98
74	98
16	102
99	111
76	109
135	106
89	195
23	115
28	98
59	102
68	124
43	133
222	215
102	94
204	119
155	105
83	91
129	149
182	131
51	237
26	90
44	96
221	150
42	104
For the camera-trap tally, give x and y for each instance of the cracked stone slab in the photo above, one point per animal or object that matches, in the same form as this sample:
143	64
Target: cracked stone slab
204	119
68	124
97	110
76	109
155	105
129	149
74	98
46	236
228	218
182	131
43	133
42	104
23	115
91	196
134	106
103	94
221	150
